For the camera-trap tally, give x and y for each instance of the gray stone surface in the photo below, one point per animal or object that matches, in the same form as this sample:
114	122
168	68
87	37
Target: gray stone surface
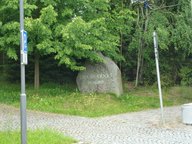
100	78
130	128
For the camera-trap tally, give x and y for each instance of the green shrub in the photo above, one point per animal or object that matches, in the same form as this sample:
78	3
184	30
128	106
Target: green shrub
186	76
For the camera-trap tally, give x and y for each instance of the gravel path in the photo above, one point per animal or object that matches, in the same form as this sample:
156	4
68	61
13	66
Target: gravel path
130	128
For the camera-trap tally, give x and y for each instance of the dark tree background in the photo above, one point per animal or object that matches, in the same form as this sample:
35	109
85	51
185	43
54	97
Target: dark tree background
65	34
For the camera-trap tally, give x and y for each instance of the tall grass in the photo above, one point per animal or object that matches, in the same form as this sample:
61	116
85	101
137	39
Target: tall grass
67	100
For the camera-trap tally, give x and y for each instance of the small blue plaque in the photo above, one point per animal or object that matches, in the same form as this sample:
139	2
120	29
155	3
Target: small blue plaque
24	59
25	48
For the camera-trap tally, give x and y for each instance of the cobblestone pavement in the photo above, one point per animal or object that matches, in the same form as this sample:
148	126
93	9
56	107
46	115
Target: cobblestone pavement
130	128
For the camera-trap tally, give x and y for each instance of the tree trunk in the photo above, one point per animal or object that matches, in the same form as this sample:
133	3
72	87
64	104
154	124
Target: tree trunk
138	55
138	66
121	48
140	58
36	73
141	62
121	38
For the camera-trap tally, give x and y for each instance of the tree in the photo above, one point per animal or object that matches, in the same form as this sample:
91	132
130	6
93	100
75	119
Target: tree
174	34
39	20
9	32
73	31
41	36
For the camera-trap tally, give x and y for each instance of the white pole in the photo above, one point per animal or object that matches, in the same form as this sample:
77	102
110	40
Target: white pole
158	74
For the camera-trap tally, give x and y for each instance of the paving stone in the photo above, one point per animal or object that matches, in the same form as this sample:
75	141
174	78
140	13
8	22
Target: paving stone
130	128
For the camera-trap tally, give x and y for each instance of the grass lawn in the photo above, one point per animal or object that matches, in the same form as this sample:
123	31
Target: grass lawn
67	100
35	137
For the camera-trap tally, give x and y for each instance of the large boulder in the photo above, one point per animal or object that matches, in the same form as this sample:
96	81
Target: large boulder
100	78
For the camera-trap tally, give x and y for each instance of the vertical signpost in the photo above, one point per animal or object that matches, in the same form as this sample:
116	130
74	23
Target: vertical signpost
191	7
155	40
23	101
158	74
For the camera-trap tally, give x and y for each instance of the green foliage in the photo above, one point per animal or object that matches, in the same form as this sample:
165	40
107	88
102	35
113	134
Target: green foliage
73	32
186	76
48	15
173	26
9	27
10	40
121	20
38	136
159	20
182	34
40	31
84	40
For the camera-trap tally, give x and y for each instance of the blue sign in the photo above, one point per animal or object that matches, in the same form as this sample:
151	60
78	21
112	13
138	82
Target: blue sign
25	48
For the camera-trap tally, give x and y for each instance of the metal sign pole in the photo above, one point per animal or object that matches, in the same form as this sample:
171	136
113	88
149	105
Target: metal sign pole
23	95
158	74
191	7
